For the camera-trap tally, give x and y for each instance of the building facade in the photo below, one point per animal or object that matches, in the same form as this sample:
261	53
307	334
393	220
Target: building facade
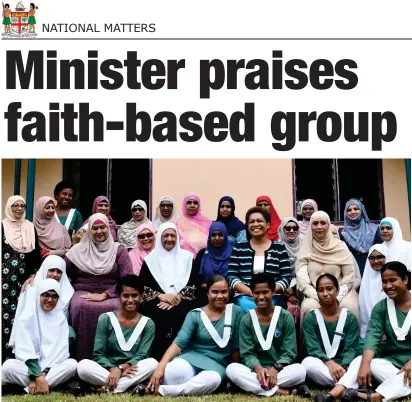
383	185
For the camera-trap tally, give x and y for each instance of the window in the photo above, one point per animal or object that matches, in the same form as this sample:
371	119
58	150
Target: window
121	180
332	182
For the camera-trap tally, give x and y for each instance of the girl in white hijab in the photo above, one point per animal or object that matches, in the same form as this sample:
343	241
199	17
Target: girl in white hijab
127	232
399	249
165	203
371	286
42	344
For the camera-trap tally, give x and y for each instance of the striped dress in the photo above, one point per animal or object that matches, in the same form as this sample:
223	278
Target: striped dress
276	263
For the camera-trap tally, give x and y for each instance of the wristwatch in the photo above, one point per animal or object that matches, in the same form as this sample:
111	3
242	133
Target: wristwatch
120	368
278	367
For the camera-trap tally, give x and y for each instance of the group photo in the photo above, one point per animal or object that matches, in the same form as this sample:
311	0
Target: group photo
225	279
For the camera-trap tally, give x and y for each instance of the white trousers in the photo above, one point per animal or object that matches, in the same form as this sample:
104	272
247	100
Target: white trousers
246	379
93	373
16	372
181	379
391	386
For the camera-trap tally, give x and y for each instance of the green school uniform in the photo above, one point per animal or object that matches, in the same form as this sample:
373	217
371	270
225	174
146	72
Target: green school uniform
397	352
75	224
199	348
283	349
107	351
348	347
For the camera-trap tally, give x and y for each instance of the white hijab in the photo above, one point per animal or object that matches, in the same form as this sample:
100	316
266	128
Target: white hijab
171	269
28	297
371	289
42	335
399	249
158	220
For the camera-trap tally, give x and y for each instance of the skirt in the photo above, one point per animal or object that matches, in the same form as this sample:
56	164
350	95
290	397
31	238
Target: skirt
32	20
6	21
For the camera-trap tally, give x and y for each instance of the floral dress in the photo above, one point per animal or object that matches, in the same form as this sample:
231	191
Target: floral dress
16	268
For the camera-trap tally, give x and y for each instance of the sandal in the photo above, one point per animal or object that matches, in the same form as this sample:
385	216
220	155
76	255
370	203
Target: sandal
351	395
324	398
301	390
141	390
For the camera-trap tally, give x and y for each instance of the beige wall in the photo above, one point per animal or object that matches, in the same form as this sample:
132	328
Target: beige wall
396	193
48	173
214	178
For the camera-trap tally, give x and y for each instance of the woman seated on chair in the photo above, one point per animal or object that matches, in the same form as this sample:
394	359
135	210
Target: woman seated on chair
122	343
209	340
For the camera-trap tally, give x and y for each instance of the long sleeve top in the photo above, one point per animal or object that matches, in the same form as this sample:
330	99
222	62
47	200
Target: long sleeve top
276	262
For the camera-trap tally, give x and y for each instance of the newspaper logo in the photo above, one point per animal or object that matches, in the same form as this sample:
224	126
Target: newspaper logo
20	23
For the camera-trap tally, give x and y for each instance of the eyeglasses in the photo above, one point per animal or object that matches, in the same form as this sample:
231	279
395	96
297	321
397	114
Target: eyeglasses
138	209
47	296
378	258
164	206
290	228
145	236
17	206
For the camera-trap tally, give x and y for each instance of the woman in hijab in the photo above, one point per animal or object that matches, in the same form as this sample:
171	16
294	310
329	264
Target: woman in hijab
94	266
193	227
165	212
322	253
399	249
266	203
42	344
235	227
371	286
146	236
20	259
359	233
289	237
101	205
170	287
308	208
53	237
127	232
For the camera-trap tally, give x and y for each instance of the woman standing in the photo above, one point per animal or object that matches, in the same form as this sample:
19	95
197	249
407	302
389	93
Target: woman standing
101	205
127	232
371	286
322	253
193	227
69	217
170	287
195	363
20	259
94	266
235	227
165	212
32	18
399	249
265	202
359	233
309	207
53	237
146	237
259	254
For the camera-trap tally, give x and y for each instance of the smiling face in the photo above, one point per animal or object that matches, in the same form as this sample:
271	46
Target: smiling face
262	295
102	208
353	212
146	239
376	260
49	210
18	208
327	292
138	213
291	230
320	228
218	295
166	209
48	300
393	285
386	232
129	299
169	239
54	273
99	232
257	225
225	209
192	207
307	212
65	197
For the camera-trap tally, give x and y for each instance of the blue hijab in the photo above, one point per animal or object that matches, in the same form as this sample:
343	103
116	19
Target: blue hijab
216	260
359	233
233	224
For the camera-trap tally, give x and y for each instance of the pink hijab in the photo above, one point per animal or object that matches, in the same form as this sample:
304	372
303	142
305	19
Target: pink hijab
304	225
193	230
112	223
51	233
138	254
